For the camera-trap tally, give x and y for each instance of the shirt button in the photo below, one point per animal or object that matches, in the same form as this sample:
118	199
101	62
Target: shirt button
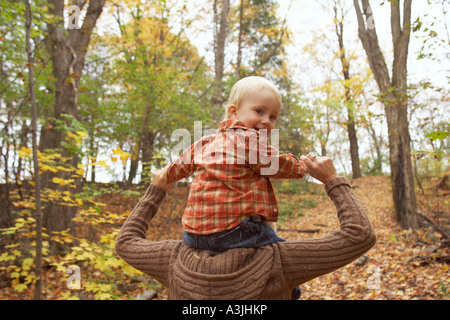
275	210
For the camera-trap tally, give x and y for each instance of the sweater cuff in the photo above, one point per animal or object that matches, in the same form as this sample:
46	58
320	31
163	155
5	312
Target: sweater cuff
336	182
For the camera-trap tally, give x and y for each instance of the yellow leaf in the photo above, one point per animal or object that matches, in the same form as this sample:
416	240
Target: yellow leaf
45	167
117	151
102	163
24	152
61	168
61	181
5	257
80	172
20	287
68	296
70	134
82	134
27	263
17	253
124	156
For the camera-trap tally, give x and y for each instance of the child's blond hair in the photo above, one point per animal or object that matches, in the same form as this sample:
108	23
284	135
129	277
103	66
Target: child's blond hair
246	86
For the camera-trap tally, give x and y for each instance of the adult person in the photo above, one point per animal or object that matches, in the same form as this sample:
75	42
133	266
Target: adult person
268	272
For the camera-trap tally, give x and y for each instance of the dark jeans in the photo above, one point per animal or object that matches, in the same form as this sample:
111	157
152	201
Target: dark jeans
250	233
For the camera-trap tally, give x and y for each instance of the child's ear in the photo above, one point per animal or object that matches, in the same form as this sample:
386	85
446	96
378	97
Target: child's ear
232	111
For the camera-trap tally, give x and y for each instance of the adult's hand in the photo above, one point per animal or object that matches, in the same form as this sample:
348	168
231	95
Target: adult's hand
320	168
160	179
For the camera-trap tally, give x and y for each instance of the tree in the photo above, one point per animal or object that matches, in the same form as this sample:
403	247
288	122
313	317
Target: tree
339	13
37	178
67	50
393	94
12	90
261	37
220	36
160	81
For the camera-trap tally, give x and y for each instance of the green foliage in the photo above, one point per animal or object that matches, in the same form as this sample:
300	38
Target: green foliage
288	210
443	290
304	193
294	209
425	28
299	187
370	166
262	35
159	82
437	135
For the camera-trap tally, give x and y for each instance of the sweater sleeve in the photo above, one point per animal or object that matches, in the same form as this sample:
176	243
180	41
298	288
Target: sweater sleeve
306	259
150	257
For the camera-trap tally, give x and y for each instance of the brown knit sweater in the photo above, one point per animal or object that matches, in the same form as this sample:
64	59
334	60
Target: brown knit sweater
269	272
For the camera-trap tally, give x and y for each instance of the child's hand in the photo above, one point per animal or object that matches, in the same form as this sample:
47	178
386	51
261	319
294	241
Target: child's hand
320	168
160	179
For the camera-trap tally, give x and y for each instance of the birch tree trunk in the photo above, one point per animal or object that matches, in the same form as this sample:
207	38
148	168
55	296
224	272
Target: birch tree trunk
394	97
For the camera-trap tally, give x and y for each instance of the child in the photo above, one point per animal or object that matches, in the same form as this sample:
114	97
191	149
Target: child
231	197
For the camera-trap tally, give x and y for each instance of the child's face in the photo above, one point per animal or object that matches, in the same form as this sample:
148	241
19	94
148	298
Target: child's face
258	111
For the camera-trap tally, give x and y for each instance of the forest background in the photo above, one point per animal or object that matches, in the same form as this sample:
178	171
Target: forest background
92	92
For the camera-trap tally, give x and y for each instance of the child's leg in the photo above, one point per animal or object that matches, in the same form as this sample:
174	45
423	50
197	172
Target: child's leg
267	235
250	233
196	241
296	293
238	237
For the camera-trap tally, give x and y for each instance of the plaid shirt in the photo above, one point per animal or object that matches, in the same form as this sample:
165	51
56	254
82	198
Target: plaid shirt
232	182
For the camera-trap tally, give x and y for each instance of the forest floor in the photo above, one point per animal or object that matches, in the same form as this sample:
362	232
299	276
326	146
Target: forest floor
404	264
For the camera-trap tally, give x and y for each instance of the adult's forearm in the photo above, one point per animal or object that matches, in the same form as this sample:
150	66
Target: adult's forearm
150	257
310	258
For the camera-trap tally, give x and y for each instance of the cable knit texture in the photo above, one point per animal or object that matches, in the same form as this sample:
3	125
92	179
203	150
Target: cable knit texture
269	272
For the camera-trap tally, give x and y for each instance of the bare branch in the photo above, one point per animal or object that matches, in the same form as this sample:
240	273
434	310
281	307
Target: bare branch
395	21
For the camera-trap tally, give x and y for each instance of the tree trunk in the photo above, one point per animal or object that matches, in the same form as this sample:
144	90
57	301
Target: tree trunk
239	52
67	53
37	178
405	201
92	152
134	162
220	35
378	160
351	127
354	154
394	97
147	153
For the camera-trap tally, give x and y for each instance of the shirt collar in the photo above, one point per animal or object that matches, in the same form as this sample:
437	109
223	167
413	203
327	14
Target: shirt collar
232	124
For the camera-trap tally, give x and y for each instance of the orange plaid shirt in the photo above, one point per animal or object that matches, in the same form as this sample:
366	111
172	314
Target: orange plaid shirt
232	182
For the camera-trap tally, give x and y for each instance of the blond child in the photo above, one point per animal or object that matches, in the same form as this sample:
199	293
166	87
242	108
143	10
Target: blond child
231	198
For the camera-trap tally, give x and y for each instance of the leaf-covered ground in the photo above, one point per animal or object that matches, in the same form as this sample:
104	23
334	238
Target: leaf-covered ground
400	266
